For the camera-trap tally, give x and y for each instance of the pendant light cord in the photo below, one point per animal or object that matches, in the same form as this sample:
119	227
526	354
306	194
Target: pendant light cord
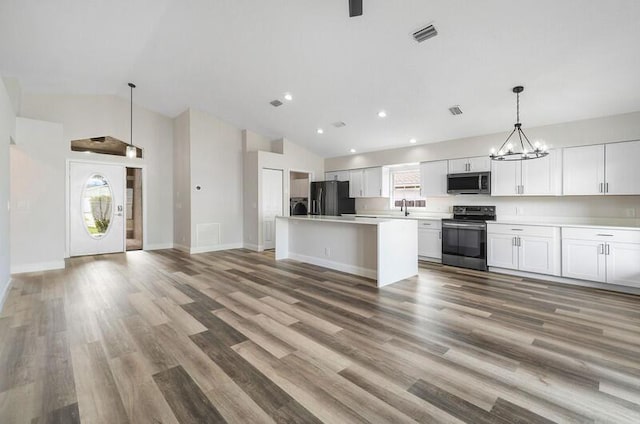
131	110
518	107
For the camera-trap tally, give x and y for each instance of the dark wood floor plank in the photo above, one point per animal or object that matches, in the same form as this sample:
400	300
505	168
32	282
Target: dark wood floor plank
188	402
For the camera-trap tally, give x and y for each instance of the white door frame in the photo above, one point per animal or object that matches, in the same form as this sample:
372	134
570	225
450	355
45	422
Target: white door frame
124	164
287	194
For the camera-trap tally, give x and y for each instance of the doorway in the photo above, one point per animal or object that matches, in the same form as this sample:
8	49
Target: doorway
96	208
134	209
272	198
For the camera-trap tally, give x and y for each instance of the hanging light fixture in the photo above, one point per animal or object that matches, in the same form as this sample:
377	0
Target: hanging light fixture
522	149
132	151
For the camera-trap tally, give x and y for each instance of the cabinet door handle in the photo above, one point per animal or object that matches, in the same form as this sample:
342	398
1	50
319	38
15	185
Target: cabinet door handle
519	242
606	187
439	235
521	189
601	188
380	192
606	250
513	241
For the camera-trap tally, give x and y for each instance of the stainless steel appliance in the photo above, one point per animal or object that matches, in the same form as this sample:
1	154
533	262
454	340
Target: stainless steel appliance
464	238
331	198
299	206
469	183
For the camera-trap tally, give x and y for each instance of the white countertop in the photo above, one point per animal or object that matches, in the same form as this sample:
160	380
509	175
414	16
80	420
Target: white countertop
341	219
433	217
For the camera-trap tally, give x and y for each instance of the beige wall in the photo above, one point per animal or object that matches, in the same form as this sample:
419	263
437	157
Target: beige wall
85	116
182	181
216	166
38	213
7	133
591	131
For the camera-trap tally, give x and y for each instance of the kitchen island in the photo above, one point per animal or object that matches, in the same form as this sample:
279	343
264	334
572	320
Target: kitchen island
385	250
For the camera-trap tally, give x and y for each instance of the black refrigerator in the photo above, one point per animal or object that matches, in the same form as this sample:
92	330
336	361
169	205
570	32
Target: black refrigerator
331	198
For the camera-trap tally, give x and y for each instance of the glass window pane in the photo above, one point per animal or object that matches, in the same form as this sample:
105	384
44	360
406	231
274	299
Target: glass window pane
97	210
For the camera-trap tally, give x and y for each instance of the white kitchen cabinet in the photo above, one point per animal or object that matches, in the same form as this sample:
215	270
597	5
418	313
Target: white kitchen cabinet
533	177
356	183
583	259
524	247
474	164
622	173
502	251
583	170
602	255
369	182
430	239
433	178
336	176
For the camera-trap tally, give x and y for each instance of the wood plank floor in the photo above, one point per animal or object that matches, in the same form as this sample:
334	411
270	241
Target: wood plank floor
164	337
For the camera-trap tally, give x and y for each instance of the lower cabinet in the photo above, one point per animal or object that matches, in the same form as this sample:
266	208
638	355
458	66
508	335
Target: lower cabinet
528	248
601	255
430	239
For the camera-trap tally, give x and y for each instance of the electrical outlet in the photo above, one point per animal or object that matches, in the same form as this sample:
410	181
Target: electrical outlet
327	252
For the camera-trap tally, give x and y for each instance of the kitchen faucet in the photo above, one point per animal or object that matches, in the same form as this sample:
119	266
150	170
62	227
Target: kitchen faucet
404	206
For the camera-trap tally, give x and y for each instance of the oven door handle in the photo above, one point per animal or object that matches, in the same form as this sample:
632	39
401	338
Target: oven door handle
456	225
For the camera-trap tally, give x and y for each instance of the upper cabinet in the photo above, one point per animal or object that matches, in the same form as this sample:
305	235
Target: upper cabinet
475	164
535	177
369	182
336	176
609	169
622	173
433	178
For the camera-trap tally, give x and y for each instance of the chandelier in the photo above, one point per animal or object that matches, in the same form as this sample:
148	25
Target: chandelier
522	149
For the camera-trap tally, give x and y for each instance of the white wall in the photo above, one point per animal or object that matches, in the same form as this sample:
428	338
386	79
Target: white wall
7	132
182	182
216	166
592	131
85	116
38	214
292	158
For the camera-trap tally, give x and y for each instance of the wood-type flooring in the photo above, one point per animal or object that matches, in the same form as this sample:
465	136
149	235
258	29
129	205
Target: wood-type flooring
234	336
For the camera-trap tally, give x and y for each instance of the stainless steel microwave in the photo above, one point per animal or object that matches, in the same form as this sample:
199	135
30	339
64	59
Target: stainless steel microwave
469	183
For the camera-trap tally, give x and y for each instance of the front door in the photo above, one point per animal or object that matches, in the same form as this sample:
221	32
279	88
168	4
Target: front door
96	196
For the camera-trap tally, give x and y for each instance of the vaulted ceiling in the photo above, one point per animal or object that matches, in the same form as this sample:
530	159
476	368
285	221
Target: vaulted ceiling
576	58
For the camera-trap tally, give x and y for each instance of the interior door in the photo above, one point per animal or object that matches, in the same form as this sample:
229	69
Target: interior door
96	202
272	199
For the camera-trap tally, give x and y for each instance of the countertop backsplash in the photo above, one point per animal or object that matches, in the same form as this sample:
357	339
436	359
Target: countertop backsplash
618	208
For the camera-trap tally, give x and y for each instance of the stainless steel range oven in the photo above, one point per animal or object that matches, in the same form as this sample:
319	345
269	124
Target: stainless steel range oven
464	238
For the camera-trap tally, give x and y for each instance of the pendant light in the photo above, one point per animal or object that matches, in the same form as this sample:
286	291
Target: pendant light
522	149
132	151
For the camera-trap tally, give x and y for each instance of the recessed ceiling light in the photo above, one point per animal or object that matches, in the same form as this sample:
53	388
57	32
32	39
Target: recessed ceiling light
288	97
320	131
413	141
382	114
352	150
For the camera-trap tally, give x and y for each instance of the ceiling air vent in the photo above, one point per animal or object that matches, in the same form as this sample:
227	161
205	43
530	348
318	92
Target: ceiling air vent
98	139
425	33
455	110
275	103
339	124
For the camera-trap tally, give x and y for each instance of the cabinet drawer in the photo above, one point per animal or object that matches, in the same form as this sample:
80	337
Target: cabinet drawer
523	230
601	234
429	224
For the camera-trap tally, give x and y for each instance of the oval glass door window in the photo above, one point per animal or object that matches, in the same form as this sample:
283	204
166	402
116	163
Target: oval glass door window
97	206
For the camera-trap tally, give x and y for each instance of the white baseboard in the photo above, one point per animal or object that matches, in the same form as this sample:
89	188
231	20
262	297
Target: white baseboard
428	259
159	246
350	269
564	280
36	267
215	248
5	293
181	247
253	247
